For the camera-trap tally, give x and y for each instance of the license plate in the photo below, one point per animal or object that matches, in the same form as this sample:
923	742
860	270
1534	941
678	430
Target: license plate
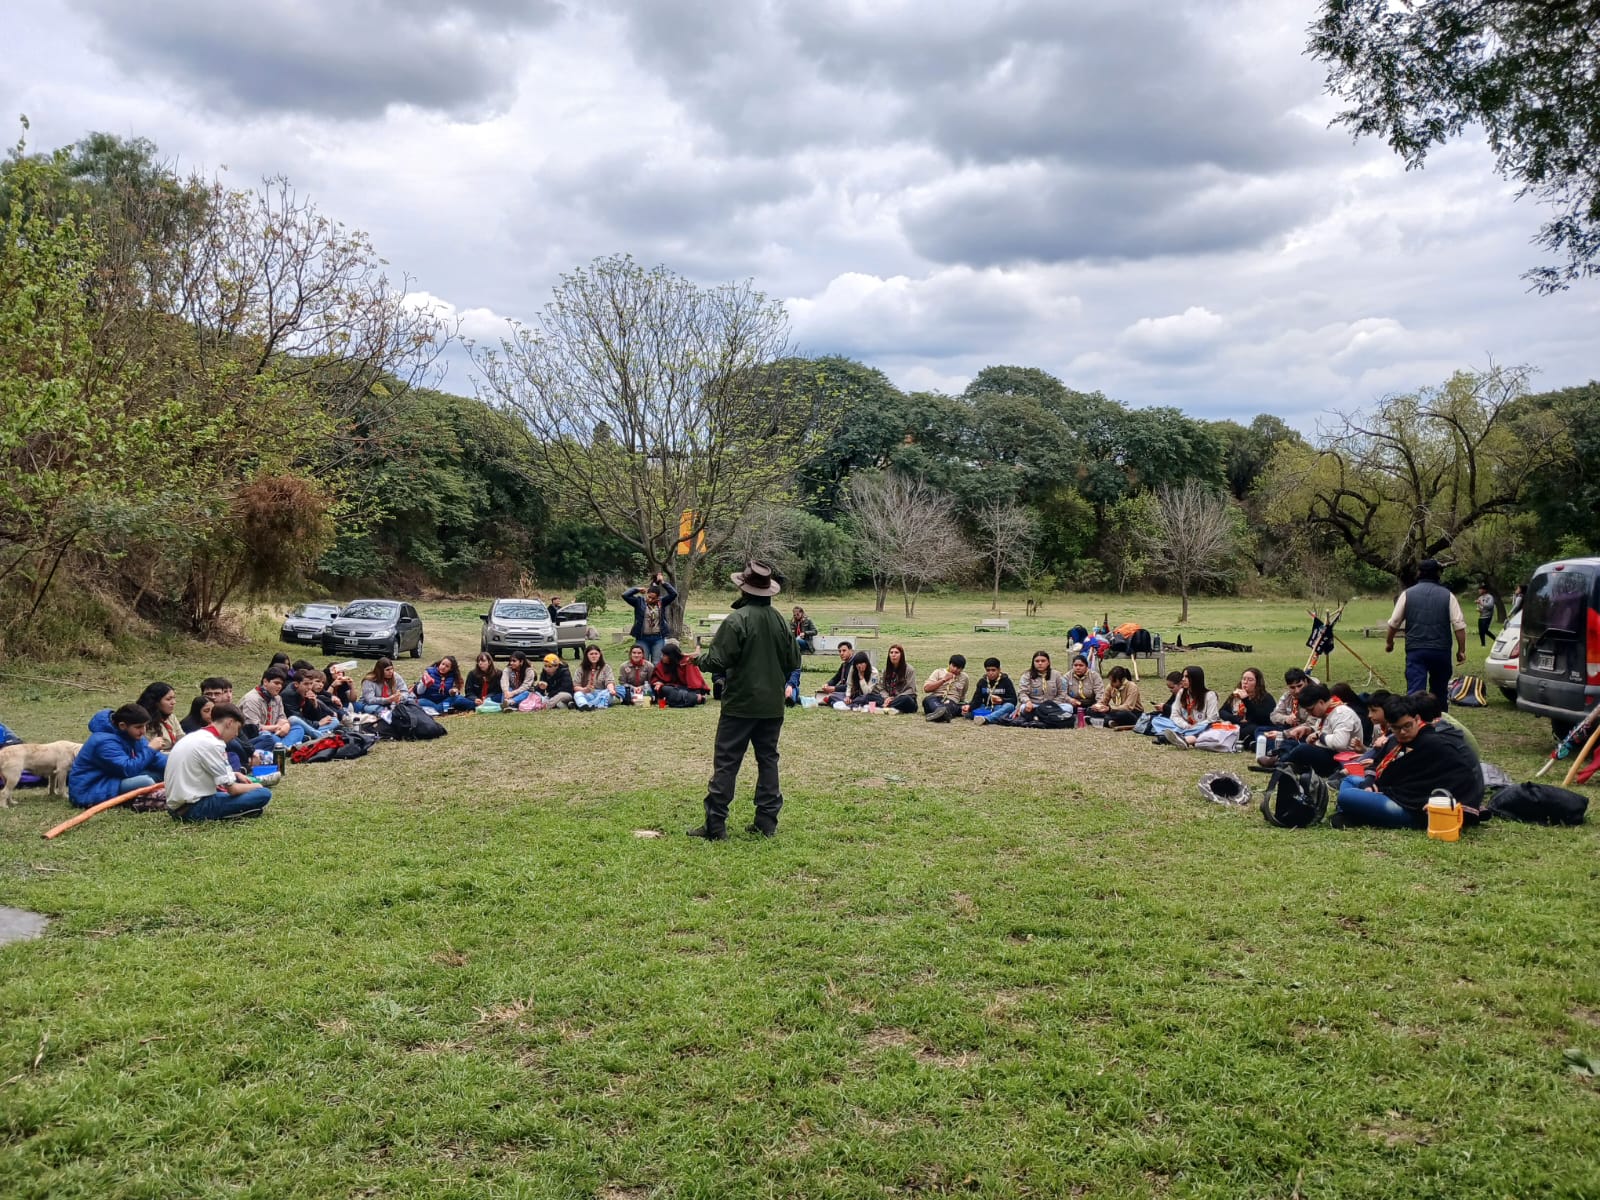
1544	660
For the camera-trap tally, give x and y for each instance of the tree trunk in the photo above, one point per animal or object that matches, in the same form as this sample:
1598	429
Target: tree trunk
880	586
994	605
1183	589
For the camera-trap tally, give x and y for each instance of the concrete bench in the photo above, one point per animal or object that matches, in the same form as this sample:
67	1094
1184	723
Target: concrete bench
858	626
992	625
1372	631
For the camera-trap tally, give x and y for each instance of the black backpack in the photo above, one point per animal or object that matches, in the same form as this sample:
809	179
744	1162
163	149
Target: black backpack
409	723
1294	799
1539	804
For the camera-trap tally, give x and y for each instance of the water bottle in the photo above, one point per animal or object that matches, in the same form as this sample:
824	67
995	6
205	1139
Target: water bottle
1083	717
280	757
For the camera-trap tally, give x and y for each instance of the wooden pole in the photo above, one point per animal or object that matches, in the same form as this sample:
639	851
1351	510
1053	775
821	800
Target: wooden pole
80	818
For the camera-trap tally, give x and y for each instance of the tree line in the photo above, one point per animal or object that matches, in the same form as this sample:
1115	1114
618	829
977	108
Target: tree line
208	394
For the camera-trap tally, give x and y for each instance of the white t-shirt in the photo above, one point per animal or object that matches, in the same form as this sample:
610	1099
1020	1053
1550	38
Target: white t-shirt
197	767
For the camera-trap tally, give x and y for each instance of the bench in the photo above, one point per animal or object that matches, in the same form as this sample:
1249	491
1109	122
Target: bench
709	624
992	625
859	626
1371	631
826	644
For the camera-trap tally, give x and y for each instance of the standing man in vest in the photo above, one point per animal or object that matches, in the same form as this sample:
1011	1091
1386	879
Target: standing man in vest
756	650
1430	613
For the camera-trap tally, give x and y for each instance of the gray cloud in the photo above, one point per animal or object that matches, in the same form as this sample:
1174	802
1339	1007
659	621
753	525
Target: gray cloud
348	59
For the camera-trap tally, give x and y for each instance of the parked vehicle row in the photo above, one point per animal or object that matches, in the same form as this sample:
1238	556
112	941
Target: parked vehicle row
389	628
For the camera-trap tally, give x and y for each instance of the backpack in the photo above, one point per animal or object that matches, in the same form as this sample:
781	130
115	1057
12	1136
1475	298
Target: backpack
1539	804
408	723
1294	799
1051	715
321	750
355	745
1467	691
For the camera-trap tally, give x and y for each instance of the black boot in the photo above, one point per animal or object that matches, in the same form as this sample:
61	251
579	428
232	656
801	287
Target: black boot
717	833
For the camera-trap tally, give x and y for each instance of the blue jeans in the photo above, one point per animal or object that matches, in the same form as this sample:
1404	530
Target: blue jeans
1362	807
517	698
221	805
1429	671
625	694
296	734
998	713
449	704
309	730
1161	724
599	699
652	646
134	782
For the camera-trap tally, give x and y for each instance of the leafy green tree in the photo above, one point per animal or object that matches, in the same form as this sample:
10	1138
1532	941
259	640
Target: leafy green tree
1419	73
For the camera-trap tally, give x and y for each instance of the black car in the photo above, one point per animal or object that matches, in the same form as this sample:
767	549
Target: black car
1560	673
307	621
381	628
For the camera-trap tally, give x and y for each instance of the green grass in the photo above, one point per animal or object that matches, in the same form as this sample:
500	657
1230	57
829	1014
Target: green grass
982	962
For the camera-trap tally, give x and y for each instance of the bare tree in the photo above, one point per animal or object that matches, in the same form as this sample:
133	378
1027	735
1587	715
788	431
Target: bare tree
1195	539
1006	533
655	408
907	533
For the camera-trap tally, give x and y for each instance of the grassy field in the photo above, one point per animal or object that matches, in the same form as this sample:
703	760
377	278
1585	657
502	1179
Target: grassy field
974	961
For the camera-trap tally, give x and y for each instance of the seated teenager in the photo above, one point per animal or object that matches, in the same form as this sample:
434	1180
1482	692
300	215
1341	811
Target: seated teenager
1432	712
834	688
517	680
483	682
340	690
1250	706
791	689
995	696
202	785
308	709
898	683
1194	710
805	631
861	686
554	683
597	683
1040	684
115	759
1119	705
1395	795
633	678
441	687
250	740
1174	682
678	682
1286	714
1083	684
382	688
945	690
199	714
1358	706
264	709
1382	736
1330	727
161	703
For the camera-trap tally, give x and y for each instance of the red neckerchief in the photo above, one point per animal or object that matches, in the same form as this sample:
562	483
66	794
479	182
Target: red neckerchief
212	730
384	689
1395	752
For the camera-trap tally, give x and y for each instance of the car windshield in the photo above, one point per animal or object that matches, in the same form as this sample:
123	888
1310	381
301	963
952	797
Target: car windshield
317	610
371	610
521	610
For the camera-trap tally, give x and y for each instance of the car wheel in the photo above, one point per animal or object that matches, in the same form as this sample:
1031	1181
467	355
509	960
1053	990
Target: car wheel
416	651
1510	693
393	650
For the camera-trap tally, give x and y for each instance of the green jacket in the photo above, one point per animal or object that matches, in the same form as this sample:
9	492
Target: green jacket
756	650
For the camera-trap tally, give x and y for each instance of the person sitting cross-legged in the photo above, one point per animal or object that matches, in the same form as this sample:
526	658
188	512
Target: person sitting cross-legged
306	708
946	689
202	785
440	687
1395	794
1194	709
861	686
898	683
483	682
834	688
1083	683
1331	727
994	698
263	707
115	759
633	677
596	683
554	683
382	689
678	682
1119	704
1039	685
517	680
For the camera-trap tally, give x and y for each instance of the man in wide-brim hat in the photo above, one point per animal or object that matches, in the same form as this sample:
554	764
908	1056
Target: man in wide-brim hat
756	651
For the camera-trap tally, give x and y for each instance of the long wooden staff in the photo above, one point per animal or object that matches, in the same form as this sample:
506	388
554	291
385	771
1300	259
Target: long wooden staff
80	818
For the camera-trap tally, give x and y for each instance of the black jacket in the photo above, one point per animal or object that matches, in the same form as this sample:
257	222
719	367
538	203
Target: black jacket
554	685
992	695
1431	761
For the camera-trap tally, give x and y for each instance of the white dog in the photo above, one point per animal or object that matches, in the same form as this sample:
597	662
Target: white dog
52	760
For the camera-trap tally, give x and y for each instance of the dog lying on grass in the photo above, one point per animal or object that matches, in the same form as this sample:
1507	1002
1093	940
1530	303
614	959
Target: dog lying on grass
51	760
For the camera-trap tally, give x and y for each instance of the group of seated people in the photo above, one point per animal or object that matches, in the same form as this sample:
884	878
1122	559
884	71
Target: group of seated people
527	685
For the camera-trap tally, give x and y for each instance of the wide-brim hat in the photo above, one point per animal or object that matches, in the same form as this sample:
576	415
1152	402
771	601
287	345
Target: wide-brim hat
1224	787
756	580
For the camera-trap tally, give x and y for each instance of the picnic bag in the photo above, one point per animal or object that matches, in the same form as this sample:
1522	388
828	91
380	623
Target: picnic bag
1142	725
1219	735
321	750
533	702
1294	799
408	723
1467	691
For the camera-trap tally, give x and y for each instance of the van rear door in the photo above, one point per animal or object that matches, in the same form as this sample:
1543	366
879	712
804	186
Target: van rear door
1560	640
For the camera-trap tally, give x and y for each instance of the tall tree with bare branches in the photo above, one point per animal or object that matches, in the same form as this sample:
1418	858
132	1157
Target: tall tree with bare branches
1006	533
907	534
1195	538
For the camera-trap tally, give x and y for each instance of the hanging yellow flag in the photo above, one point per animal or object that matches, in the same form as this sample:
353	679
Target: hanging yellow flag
685	525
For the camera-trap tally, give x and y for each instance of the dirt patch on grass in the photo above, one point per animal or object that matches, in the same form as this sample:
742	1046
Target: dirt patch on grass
1585	1015
1396	1129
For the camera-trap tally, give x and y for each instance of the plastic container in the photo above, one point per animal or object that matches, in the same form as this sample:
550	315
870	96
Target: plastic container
1356	770
1261	745
1445	817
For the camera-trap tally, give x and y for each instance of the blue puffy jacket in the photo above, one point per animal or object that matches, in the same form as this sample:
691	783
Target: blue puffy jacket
107	758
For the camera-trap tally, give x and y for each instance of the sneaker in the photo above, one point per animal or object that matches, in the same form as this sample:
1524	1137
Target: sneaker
943	713
980	720
1174	738
700	831
1338	820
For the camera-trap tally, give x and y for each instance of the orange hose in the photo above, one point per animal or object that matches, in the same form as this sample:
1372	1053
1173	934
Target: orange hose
80	818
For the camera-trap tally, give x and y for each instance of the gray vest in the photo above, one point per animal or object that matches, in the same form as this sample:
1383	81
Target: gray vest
1427	616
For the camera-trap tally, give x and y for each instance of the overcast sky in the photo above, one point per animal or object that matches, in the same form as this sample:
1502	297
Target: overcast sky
1140	196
